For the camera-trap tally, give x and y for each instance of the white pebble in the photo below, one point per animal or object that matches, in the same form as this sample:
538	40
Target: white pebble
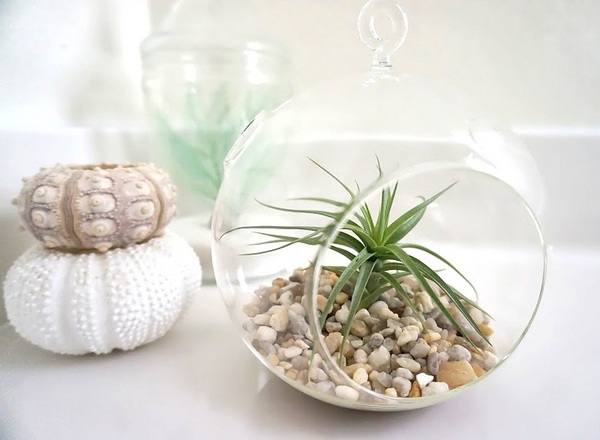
347	393
409	364
266	334
424	379
292	351
380	358
261	319
360	356
435	388
342	314
406	336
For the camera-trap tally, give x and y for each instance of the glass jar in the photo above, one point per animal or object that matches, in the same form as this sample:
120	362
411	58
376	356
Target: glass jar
207	71
374	241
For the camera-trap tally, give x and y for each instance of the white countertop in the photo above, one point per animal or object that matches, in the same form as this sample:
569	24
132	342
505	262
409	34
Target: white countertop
200	382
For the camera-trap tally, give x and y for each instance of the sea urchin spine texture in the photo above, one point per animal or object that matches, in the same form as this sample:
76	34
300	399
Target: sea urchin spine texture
96	207
77	303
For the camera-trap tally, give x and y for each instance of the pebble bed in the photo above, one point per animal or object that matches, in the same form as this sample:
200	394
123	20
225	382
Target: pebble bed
388	350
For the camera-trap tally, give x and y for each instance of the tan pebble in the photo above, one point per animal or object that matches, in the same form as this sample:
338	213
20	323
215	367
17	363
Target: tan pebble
333	342
415	390
321	302
273	359
487	331
350	369
292	373
359	328
341	298
432	337
278	282
280	320
456	373
477	369
360	376
373	375
251	310
285	365
391	392
288	343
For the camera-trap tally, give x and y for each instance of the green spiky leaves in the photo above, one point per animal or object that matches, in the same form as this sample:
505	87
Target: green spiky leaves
377	257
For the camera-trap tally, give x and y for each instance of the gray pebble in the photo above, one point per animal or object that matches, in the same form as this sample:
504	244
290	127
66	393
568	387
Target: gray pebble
434	360
458	353
420	350
401	385
300	363
298	324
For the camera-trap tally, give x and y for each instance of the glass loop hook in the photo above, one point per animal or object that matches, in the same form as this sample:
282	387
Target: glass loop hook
382	27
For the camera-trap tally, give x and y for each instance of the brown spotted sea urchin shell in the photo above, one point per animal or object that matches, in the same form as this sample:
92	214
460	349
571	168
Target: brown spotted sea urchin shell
96	206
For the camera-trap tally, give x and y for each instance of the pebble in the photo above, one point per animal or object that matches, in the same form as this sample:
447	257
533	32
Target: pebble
266	334
280	319
360	376
420	350
404	372
342	314
292	352
379	359
359	328
402	386
273	359
410	364
298	324
456	373
286	298
262	319
434	360
333	326
424	300
347	393
458	353
391	392
300	363
424	379
405	337
384	379
435	388
318	375
360	356
326	387
333	341
350	369
298	309
489	360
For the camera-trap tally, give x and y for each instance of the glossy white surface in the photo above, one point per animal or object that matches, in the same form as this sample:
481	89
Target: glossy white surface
200	381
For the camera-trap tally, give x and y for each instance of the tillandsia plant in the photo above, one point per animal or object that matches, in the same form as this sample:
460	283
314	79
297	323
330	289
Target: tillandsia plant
377	257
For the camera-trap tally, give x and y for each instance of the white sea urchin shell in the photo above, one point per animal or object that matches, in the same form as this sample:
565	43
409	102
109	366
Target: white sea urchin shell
96	206
76	303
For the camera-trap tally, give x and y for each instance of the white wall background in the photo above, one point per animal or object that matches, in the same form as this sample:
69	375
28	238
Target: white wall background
69	79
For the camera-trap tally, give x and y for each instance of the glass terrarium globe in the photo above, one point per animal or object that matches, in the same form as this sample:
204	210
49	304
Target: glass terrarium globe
312	169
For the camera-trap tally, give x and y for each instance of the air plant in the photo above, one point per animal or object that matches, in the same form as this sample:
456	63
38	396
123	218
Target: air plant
378	258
